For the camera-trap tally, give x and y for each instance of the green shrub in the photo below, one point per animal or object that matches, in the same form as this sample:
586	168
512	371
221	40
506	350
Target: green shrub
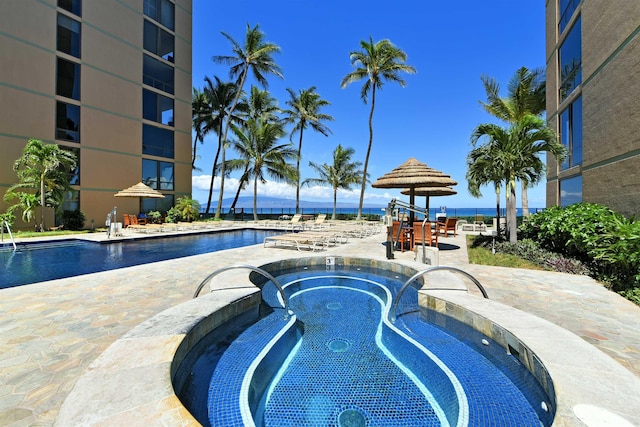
155	217
174	215
72	220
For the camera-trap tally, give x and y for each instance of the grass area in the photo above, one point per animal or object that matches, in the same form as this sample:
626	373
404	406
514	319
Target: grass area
483	256
27	234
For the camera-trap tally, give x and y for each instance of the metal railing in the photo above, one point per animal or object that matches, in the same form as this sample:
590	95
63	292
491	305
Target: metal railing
396	299
5	224
285	300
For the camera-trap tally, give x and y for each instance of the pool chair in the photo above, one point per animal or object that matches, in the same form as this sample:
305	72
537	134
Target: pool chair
430	238
302	240
448	225
294	223
400	234
318	224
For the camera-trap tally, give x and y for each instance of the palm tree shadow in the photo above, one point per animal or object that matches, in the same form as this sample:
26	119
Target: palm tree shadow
447	247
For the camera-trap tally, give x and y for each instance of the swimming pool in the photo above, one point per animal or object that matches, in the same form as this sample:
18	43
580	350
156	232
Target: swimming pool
340	362
38	262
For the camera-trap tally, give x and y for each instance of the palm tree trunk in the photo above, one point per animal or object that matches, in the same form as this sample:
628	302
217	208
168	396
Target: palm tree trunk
525	200
255	199
511	213
42	202
224	141
366	160
240	185
298	173
195	145
215	164
498	209
335	203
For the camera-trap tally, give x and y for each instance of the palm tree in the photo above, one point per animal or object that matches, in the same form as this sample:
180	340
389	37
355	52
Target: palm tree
340	175
515	151
260	155
483	167
221	96
44	169
260	106
526	94
375	63
304	112
256	56
189	208
200	115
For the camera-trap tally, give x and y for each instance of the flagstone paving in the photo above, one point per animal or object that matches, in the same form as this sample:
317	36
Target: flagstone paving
50	332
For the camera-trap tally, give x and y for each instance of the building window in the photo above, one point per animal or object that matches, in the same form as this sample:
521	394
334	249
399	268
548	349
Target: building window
571	133
571	190
67	122
567	7
71	201
157	175
68	35
73	6
157	107
158	41
571	60
160	205
157	141
162	11
68	79
157	74
74	174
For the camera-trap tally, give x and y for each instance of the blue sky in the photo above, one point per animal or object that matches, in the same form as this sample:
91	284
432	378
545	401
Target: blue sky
451	44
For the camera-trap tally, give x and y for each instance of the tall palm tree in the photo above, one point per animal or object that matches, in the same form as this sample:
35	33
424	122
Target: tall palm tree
526	94
305	112
516	151
45	169
375	63
259	106
221	96
256	55
339	175
200	115
261	155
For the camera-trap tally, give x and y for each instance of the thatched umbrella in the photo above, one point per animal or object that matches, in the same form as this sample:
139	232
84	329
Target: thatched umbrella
140	190
429	192
413	174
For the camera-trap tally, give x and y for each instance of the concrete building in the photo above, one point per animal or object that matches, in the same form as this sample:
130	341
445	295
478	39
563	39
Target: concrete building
593	101
109	80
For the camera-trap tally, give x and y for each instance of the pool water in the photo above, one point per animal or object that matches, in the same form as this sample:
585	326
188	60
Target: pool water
343	365
38	262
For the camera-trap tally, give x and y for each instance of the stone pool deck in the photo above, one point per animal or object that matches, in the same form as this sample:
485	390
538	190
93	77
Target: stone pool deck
51	332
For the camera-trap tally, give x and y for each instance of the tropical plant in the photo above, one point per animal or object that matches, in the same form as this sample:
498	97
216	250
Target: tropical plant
261	155
73	220
9	217
375	63
221	96
515	151
259	106
526	94
305	112
256	55
44	171
155	217
339	175
200	117
483	168
189	208
173	215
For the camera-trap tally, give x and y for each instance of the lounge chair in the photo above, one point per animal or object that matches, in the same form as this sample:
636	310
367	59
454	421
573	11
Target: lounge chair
400	235
301	240
478	223
318	224
294	223
448	225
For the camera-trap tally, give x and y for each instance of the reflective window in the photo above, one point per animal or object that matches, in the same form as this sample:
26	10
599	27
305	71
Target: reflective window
157	74
160	205
158	41
67	122
162	11
73	6
571	133
68	36
157	175
571	60
157	141
74	175
157	107
571	191
567	7
68	79
71	201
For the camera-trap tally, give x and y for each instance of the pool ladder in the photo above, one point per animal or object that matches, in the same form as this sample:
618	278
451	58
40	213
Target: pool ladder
5	224
285	300
412	279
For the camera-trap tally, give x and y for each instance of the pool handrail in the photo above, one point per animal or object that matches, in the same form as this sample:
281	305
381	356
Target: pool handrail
285	300
2	226
396	299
